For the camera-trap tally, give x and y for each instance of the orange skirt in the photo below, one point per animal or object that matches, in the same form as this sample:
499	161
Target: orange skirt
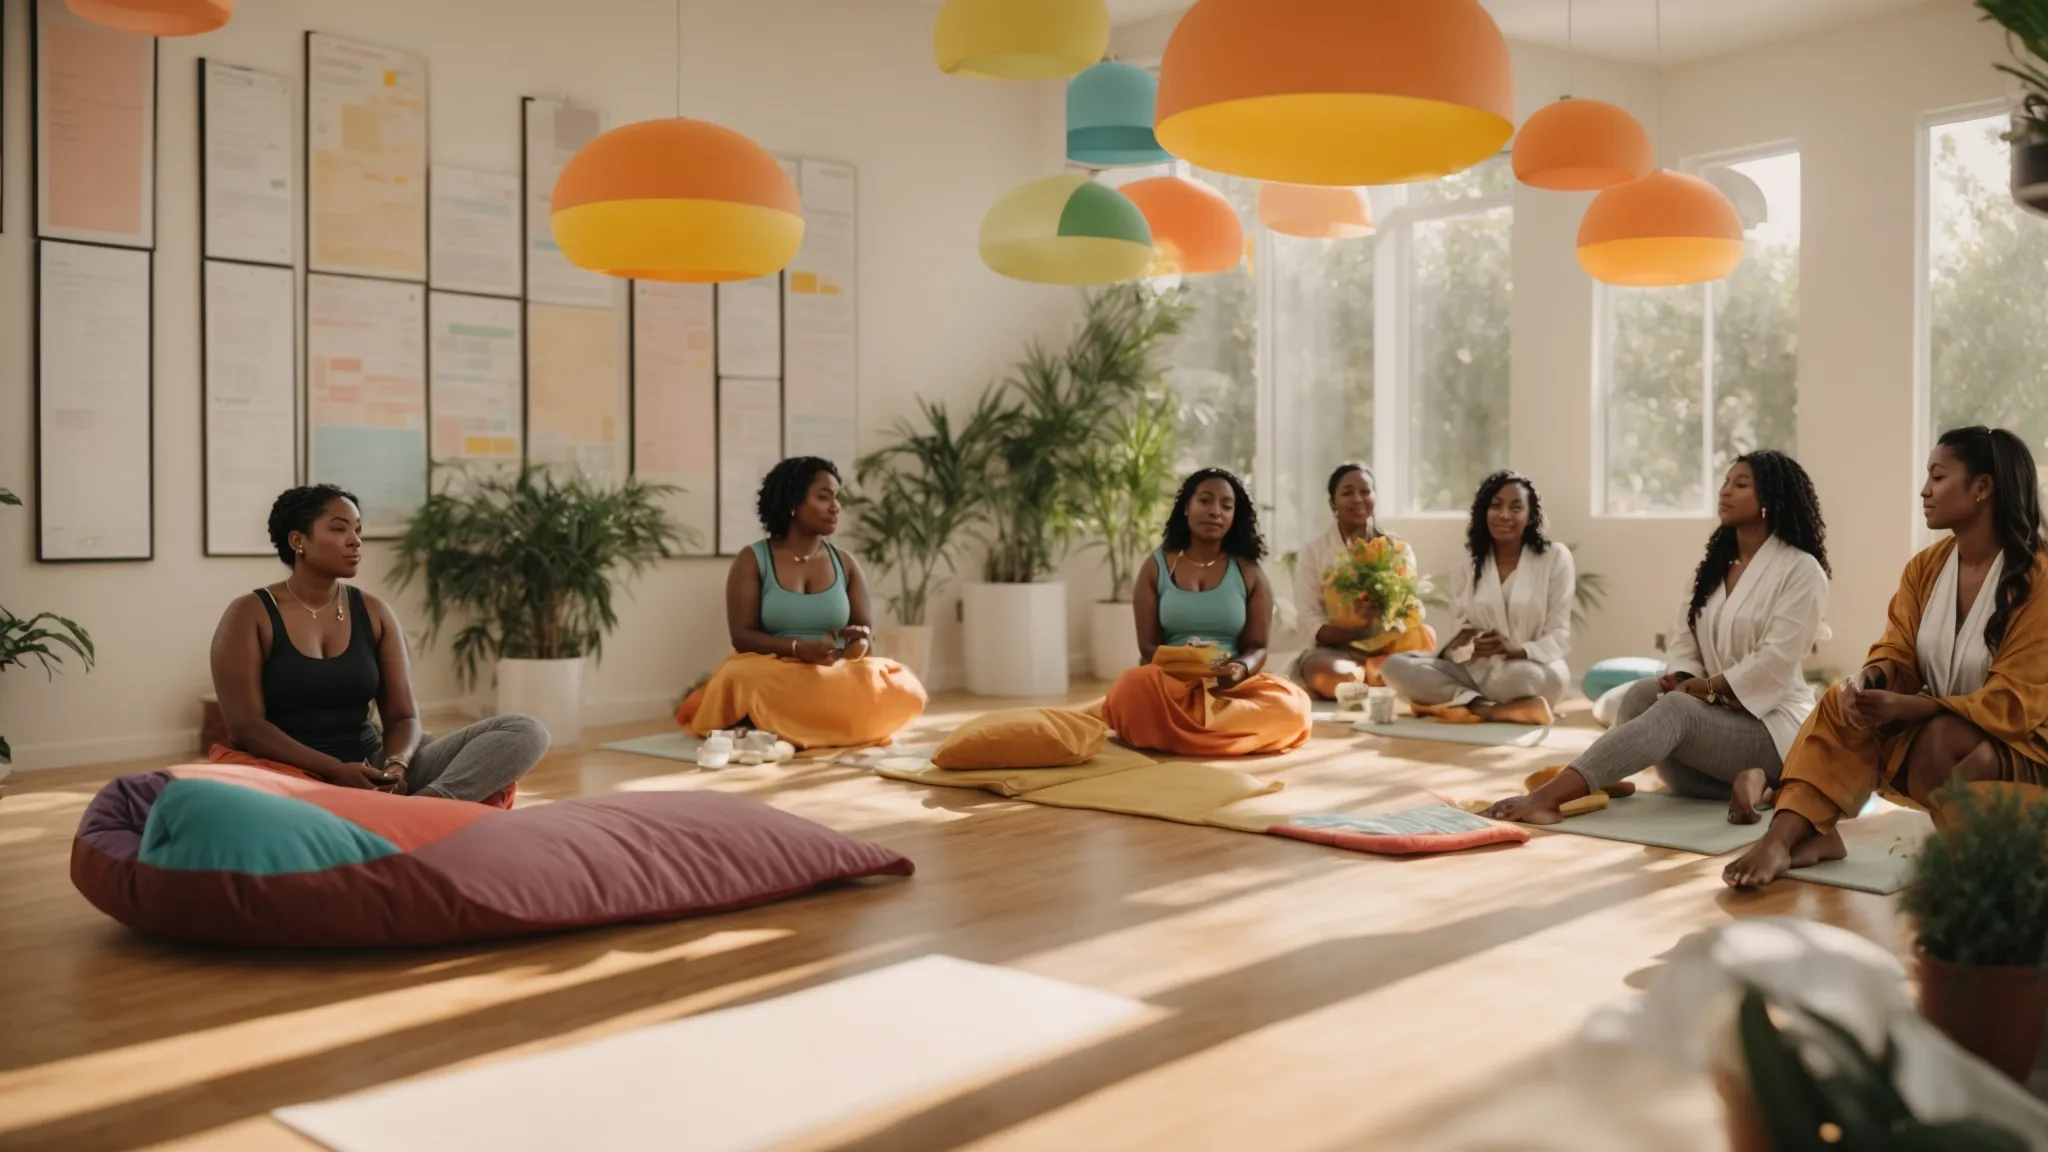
1153	708
851	704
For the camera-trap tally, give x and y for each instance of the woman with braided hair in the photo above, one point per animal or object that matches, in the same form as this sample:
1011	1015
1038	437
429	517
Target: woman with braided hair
797	609
1721	720
1957	689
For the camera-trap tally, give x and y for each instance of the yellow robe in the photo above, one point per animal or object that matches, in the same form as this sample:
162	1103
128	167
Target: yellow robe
1834	766
1173	705
851	704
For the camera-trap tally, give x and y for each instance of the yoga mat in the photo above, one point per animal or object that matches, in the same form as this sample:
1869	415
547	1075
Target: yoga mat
667	745
743	1078
1880	856
1489	735
1663	820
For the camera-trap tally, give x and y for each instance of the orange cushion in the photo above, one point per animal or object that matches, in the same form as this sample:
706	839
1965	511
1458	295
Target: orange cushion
1024	738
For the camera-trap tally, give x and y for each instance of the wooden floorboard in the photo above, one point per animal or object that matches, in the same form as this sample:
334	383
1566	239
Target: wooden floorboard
1305	997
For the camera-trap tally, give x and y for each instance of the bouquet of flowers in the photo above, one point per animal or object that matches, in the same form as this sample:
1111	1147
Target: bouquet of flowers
1377	572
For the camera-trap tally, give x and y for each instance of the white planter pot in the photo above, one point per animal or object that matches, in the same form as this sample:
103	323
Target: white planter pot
909	645
550	691
1016	639
1112	638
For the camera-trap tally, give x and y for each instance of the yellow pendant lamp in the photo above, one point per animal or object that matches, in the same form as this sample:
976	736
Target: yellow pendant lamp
678	200
1066	230
1336	92
155	17
1667	228
1194	227
1020	39
1582	146
1315	213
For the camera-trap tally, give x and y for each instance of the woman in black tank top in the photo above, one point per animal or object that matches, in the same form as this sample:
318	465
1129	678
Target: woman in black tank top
297	664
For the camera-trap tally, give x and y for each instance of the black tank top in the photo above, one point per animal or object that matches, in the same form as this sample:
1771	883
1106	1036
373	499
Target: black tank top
324	704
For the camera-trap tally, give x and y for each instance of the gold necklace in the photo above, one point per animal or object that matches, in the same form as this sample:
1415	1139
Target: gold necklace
340	612
1198	564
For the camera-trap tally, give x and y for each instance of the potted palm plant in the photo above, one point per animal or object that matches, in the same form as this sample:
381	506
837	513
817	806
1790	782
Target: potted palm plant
1127	485
530	561
43	637
2026	35
1979	900
911	512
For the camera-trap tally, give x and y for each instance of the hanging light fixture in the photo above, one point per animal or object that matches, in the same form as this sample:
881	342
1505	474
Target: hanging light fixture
155	17
1667	228
1341	92
1194	227
676	200
1020	39
1581	145
1314	212
1066	230
1109	117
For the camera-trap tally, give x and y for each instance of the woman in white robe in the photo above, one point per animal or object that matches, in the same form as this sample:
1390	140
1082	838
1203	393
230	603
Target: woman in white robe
1721	720
1513	607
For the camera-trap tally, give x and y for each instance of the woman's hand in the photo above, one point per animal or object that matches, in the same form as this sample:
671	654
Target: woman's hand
1491	643
1231	673
823	653
1871	707
857	639
1695	688
359	775
1670	681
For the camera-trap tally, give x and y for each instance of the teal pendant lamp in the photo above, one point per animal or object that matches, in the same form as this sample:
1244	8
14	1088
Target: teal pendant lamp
1109	117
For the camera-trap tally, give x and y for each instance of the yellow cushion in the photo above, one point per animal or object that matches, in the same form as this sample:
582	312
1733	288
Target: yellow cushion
1023	738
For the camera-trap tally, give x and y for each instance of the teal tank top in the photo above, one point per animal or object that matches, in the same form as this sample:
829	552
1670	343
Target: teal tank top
1216	616
802	615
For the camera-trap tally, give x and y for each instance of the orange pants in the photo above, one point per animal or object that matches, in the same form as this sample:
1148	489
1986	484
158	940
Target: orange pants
851	704
1171	706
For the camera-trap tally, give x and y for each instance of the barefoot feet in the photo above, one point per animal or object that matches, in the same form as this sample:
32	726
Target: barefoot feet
1819	850
1525	810
1533	711
1770	859
1747	797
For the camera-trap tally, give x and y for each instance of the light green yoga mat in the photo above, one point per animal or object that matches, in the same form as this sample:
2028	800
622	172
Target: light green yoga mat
1487	735
667	745
1880	859
1663	820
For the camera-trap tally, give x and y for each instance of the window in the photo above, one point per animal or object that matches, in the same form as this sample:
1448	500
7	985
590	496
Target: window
1212	370
1986	335
1694	376
1323	359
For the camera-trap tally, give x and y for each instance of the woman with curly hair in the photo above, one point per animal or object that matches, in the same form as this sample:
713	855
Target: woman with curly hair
1513	607
297	664
1203	605
1957	688
797	609
1721	720
1350	642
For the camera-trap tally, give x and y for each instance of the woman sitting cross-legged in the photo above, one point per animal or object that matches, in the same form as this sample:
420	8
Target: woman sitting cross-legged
1203	605
797	608
1513	606
296	665
1957	688
1350	642
1717	726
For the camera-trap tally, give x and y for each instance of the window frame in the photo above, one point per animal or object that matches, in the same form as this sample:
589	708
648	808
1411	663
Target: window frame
1603	351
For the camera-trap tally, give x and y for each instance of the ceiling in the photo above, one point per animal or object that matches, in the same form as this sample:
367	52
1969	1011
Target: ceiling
1625	30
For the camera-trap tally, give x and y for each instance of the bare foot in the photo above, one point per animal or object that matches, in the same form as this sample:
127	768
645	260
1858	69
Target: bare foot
1533	711
1819	850
1457	714
1747	796
1524	810
1758	866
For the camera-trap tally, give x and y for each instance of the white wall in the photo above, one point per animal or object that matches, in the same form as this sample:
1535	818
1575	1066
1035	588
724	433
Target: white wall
832	78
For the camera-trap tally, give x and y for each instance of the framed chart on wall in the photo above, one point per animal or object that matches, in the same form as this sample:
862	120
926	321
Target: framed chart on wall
247	181
94	396
249	386
675	402
554	131
474	373
575	390
366	159
749	444
94	100
366	389
473	232
820	313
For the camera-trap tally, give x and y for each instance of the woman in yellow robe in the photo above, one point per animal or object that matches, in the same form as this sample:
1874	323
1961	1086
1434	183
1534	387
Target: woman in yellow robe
1203	607
1957	689
797	608
1350	642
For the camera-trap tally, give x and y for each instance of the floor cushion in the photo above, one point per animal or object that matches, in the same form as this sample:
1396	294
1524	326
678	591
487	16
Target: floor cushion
233	854
1608	675
1024	738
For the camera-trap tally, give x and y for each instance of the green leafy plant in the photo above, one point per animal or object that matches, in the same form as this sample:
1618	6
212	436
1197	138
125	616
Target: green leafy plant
44	637
914	505
529	560
1817	1089
1128	485
1979	888
2026	36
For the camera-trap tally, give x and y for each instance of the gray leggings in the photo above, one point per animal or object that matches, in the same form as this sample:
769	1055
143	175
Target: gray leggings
477	762
1421	678
1697	748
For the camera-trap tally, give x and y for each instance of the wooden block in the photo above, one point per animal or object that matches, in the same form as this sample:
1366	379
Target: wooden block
1540	777
1584	804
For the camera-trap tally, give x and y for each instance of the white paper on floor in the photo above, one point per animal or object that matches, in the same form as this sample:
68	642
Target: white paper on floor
741	1078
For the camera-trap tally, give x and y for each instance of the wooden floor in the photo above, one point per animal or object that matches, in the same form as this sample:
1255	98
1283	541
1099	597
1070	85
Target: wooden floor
1307	998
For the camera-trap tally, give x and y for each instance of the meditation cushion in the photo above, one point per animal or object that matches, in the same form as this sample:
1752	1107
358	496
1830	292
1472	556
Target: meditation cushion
1608	675
1024	738
232	854
1412	832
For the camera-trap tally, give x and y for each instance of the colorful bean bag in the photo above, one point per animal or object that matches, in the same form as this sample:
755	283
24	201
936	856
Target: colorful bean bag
233	854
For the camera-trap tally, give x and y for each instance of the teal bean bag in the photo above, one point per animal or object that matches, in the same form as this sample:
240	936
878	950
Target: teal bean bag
1608	675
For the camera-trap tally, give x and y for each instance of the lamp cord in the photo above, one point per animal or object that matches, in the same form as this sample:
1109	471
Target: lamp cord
679	59
1571	59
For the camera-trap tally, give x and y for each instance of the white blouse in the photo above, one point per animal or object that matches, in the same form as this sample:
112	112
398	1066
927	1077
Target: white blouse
1954	660
1758	637
1534	607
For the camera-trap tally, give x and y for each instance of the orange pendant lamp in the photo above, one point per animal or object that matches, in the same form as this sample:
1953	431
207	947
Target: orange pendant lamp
155	17
1582	146
1315	213
1336	92
1667	228
1194	227
678	200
